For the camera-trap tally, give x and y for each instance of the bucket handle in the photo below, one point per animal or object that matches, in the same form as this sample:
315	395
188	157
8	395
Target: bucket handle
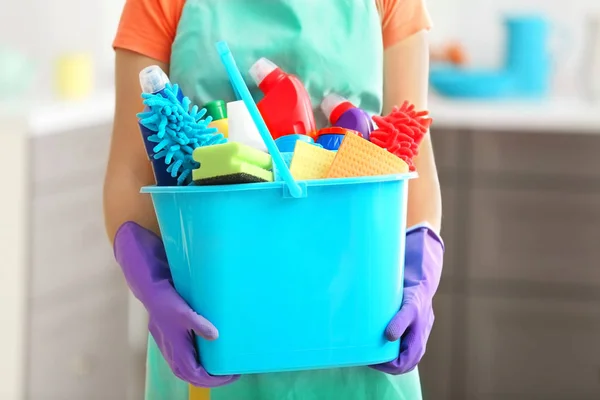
241	90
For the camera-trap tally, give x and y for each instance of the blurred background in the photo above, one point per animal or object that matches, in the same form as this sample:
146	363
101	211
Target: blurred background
516	105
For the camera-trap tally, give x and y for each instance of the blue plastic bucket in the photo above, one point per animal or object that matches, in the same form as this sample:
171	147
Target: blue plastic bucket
295	275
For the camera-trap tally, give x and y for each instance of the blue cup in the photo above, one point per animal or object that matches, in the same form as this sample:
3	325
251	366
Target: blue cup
528	57
287	143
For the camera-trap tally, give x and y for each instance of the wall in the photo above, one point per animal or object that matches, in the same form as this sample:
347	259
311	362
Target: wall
44	29
477	23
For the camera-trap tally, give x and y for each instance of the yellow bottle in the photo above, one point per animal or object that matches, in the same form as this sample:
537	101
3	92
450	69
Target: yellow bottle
74	76
222	126
218	111
197	393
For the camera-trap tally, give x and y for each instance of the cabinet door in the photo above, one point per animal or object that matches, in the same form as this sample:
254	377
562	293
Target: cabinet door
78	345
533	350
450	233
436	366
445	146
69	240
72	158
69	243
547	154
527	236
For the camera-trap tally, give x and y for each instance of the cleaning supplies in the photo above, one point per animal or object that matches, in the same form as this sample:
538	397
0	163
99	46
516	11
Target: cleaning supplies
331	138
153	80
218	111
310	162
231	163
402	131
241	90
358	157
241	127
171	131
286	143
342	113
353	275
286	106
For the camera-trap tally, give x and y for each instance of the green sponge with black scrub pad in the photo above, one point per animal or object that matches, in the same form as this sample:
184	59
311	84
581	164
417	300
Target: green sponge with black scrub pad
231	163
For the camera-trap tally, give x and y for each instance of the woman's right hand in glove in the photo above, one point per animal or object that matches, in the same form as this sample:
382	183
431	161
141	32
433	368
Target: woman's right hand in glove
141	255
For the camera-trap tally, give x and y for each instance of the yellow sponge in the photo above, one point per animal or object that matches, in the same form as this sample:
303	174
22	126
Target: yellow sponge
359	157
310	161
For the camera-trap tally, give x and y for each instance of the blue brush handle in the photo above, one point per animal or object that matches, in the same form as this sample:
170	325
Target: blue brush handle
242	92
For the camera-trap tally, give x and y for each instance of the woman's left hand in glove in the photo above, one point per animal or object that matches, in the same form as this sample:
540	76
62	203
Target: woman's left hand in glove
412	324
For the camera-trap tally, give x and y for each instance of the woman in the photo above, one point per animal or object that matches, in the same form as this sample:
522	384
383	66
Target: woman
373	51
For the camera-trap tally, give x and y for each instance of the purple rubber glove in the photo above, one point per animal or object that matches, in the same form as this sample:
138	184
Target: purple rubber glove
141	255
413	323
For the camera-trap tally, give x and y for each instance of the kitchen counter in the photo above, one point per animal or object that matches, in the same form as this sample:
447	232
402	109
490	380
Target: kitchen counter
60	116
63	304
520	225
555	115
548	116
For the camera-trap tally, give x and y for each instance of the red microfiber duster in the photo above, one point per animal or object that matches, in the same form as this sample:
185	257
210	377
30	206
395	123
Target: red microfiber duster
402	131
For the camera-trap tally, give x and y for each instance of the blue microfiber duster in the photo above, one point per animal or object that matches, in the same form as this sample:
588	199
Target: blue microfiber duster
179	131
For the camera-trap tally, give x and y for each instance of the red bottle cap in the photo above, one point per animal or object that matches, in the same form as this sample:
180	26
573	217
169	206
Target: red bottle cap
261	69
333	106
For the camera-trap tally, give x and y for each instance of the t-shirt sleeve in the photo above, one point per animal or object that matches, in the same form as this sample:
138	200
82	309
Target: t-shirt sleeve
148	27
401	19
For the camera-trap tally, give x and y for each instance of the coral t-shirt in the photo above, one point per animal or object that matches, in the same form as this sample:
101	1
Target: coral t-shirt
148	27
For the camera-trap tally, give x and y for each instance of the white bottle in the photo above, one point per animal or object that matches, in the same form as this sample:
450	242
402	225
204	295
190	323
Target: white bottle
242	128
153	79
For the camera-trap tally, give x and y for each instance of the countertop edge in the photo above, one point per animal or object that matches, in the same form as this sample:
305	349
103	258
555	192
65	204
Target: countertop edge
550	116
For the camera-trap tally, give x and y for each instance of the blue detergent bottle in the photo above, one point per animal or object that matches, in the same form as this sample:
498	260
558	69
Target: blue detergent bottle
154	80
171	129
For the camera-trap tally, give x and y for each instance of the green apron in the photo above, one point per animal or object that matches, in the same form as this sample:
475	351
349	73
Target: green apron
331	45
